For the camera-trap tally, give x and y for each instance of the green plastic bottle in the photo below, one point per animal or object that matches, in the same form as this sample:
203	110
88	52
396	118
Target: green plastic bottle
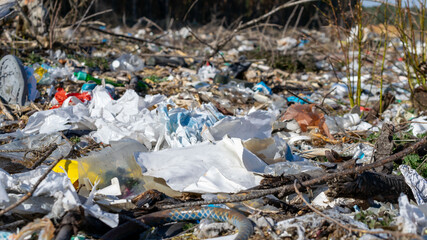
87	77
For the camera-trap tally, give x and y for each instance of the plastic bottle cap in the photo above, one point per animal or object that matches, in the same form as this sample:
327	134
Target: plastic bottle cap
116	64
81	75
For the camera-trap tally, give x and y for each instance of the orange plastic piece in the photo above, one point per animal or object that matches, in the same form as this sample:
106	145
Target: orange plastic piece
305	116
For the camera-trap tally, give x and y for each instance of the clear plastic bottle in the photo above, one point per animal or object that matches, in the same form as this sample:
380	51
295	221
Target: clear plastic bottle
128	62
119	161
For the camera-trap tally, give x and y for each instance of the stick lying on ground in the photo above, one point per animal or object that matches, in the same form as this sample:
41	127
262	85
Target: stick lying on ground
288	189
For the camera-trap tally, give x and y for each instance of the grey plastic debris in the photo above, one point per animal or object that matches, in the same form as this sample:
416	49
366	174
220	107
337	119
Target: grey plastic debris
7	10
263	221
209	229
289	168
33	142
13	82
55	195
337	124
417	183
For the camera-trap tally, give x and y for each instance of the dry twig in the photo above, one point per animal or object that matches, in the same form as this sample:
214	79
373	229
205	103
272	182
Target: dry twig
48	152
149	21
189	10
12	225
53	21
5	111
81	20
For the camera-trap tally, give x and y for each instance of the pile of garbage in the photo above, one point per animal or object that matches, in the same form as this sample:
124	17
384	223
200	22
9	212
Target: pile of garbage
121	144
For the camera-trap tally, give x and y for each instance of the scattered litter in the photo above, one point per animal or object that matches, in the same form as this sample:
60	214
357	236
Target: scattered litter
112	134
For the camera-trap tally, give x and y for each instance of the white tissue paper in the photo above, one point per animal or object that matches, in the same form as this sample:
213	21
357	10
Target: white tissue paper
225	166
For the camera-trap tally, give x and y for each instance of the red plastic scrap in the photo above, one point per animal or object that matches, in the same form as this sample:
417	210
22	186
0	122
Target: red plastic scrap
61	96
364	109
305	116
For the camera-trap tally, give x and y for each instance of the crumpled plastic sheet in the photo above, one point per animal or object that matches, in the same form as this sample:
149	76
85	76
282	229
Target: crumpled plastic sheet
55	186
417	183
364	126
338	124
34	142
62	98
286	43
31	83
411	219
54	196
112	119
184	127
225	166
270	150
209	229
127	62
93	209
419	125
131	117
52	121
207	72
128	116
289	168
254	125
322	201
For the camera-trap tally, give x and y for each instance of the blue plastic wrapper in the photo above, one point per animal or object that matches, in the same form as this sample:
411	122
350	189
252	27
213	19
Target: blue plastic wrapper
303	42
262	87
294	99
184	127
356	208
88	87
5	235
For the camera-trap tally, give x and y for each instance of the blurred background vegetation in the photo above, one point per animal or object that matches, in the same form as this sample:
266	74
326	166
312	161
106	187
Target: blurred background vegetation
168	13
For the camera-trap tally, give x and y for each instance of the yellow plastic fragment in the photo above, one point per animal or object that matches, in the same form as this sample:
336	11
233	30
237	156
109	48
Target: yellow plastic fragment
39	72
70	167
